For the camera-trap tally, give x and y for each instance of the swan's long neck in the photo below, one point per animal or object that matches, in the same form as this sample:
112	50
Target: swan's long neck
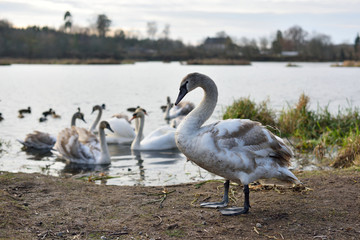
137	123
197	117
105	155
136	142
167	112
73	119
97	120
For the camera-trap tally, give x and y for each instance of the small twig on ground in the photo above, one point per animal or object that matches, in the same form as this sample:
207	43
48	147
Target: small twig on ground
159	223
165	193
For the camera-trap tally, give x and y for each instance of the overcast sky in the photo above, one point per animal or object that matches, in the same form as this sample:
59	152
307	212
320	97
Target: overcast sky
193	20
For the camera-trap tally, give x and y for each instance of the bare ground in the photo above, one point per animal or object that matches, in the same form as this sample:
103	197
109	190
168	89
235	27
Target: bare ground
34	206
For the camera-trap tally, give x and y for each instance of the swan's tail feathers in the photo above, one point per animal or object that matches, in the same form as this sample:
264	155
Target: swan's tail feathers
287	176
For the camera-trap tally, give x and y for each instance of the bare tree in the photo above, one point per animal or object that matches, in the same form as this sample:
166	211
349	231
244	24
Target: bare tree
296	35
103	24
68	21
166	31
151	29
263	42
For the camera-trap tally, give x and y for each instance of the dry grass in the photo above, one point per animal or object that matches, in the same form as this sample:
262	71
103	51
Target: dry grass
347	64
349	155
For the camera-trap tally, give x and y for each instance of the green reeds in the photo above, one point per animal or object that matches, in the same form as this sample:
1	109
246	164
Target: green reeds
245	108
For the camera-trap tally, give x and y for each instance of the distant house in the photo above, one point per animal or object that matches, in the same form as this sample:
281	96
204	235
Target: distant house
217	44
289	53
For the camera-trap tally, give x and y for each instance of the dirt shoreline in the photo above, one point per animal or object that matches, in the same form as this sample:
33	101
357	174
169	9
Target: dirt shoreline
35	206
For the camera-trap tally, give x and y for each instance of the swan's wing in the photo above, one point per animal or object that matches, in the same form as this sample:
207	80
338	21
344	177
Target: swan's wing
121	116
39	140
249	139
161	138
70	147
160	132
121	128
85	136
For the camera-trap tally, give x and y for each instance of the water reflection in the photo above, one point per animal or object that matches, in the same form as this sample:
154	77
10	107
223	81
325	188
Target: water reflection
76	168
139	162
36	154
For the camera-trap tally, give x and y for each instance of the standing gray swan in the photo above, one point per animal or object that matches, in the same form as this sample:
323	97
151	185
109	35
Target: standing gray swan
239	150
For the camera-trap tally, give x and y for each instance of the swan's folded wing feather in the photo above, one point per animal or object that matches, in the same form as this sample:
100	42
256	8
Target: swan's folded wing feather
161	131
251	139
85	136
121	127
159	141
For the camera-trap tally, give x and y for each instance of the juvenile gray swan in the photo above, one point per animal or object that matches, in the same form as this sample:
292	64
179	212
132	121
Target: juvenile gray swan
78	145
239	150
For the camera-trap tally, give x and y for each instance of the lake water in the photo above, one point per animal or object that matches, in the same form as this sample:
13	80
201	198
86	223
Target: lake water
64	88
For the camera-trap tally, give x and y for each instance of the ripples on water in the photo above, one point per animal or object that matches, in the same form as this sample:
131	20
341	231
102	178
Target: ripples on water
66	87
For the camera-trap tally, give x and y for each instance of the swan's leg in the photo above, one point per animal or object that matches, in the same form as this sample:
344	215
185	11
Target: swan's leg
225	200
238	210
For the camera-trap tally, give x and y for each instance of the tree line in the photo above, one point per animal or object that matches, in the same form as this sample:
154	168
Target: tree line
67	42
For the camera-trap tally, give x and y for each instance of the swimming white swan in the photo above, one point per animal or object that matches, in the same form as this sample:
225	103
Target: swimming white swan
44	141
239	150
83	147
123	133
159	139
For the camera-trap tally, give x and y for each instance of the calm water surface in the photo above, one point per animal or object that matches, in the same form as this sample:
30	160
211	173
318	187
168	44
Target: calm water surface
66	87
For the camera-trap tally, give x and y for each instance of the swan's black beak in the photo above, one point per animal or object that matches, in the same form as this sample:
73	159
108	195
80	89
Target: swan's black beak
108	127
133	117
182	93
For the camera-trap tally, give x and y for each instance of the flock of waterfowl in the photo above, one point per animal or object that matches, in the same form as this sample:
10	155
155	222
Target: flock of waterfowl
43	118
239	150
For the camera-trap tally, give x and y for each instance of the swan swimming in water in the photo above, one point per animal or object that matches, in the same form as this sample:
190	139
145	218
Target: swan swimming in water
44	141
39	141
78	145
159	139
124	133
239	150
